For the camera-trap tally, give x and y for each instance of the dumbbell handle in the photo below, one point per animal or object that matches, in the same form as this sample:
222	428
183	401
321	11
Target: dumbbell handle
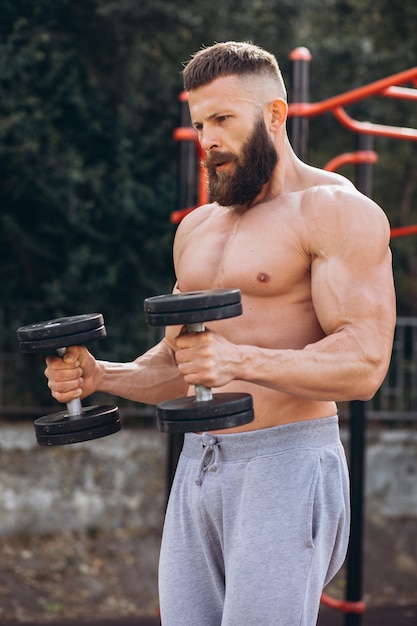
74	406
202	393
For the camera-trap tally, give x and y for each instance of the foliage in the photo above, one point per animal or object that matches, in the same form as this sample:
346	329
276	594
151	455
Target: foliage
78	215
88	166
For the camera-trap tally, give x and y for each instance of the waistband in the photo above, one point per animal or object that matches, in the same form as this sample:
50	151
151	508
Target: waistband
315	433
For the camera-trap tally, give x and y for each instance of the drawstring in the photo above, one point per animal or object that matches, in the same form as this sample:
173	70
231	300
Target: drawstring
211	449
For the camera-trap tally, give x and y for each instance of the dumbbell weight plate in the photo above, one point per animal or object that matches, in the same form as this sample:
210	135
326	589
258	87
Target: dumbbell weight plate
61	326
77	436
222	405
192	307
62	422
61	332
173	427
192	300
225	410
64	427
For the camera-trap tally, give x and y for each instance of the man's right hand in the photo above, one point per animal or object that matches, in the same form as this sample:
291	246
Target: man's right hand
73	375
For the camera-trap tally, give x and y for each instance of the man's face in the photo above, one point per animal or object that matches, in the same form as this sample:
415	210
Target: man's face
228	116
253	168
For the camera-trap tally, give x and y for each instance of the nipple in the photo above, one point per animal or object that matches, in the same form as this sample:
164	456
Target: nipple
263	278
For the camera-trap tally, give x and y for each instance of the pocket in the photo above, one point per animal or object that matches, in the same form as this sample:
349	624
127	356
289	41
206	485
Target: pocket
311	505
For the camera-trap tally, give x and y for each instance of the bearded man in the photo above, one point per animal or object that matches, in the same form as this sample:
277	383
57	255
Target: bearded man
255	542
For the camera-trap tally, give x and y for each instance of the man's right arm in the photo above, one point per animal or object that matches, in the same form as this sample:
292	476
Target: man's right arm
151	378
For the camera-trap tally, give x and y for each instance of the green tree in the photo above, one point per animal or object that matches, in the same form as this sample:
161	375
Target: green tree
77	218
88	165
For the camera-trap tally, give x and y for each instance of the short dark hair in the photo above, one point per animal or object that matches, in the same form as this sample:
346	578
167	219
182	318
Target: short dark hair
227	59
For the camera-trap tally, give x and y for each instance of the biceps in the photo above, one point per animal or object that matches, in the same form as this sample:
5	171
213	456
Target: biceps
355	292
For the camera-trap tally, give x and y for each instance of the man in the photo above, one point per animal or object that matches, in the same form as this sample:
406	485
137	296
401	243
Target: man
255	540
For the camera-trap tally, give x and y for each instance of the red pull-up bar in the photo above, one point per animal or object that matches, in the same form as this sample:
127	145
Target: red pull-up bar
360	156
345	606
384	87
405	93
369	128
310	109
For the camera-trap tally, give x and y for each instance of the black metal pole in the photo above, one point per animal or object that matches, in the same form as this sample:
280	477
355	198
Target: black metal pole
364	181
299	128
364	171
354	558
175	443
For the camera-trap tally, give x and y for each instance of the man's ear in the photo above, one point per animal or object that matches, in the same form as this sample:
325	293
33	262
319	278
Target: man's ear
278	112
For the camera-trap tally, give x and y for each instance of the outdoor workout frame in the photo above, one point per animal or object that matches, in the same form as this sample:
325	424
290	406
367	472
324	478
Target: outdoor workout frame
193	192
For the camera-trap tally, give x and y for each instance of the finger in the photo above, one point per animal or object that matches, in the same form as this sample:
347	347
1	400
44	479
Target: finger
59	370
67	386
68	361
195	341
72	355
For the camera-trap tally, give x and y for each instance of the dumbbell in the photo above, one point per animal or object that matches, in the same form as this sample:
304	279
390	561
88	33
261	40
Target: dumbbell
76	423
204	411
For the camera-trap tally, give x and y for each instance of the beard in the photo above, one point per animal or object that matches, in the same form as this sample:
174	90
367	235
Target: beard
253	168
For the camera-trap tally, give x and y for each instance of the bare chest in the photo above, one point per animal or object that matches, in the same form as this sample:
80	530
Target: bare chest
258	256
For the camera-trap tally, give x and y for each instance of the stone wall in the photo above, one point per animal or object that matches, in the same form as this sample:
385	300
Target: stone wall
116	481
391	473
120	480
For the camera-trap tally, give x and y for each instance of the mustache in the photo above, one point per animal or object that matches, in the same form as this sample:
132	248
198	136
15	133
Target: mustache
217	158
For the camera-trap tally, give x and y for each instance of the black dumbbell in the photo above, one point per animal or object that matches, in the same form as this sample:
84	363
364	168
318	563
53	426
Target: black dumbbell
76	423
204	411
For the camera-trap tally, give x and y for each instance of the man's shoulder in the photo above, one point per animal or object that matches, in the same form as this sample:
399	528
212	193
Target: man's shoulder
331	191
321	182
200	214
334	209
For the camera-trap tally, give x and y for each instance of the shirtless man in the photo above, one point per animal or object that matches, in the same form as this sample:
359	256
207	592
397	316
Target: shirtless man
258	516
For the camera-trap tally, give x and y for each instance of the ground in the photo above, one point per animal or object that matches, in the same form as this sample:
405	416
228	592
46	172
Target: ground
82	576
112	574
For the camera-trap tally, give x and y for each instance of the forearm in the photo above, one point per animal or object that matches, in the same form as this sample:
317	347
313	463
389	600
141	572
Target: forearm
151	378
335	368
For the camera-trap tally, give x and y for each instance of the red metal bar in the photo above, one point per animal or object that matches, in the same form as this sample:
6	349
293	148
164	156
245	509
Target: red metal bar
368	128
177	216
360	156
405	93
183	97
310	109
343	605
185	133
403	231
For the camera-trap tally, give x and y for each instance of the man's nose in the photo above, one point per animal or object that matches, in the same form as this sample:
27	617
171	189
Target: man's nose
209	139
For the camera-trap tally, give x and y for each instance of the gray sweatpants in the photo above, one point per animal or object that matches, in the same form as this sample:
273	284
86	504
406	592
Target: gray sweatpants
257	524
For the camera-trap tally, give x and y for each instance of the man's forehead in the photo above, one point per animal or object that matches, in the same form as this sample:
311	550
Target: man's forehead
222	94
